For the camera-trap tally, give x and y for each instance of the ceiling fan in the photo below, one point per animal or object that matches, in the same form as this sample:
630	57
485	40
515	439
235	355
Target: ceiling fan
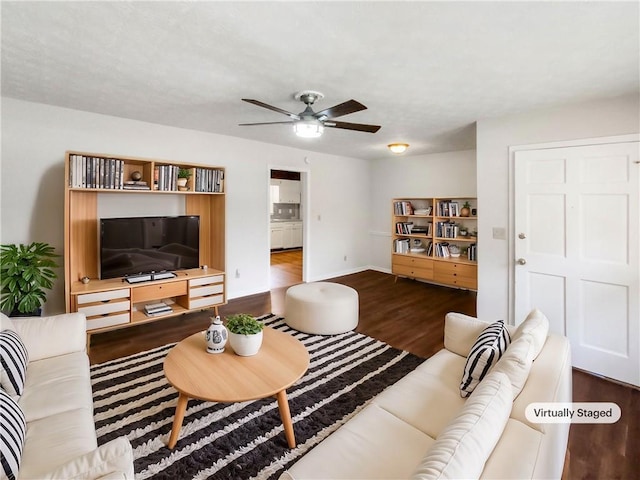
311	124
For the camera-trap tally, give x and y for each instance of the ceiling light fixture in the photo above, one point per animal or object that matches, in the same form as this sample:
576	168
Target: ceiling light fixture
308	128
398	147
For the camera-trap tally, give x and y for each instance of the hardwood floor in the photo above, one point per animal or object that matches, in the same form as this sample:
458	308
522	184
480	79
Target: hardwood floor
410	315
286	268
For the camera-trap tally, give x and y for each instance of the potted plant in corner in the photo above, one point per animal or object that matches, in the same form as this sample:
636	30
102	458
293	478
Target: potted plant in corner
245	334
183	178
26	271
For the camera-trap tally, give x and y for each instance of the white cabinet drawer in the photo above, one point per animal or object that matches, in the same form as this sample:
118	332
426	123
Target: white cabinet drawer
107	321
102	296
102	308
206	290
205	301
194	282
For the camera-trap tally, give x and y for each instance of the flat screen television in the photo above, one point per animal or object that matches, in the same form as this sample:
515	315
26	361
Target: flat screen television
140	245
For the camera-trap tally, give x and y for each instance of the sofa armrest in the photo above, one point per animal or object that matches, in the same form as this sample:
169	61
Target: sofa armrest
113	460
52	336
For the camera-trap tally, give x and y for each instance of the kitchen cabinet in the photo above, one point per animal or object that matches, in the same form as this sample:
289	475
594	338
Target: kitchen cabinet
285	191
286	235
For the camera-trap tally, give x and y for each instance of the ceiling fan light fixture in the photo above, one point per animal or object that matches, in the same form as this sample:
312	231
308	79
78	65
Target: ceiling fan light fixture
308	128
398	148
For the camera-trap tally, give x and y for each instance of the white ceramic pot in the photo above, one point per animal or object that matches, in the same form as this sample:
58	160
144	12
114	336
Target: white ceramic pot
245	345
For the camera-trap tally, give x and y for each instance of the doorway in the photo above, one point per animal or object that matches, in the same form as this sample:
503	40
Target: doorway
286	224
576	250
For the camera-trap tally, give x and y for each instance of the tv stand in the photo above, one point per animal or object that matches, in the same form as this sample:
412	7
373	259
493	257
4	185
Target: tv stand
149	277
119	303
113	303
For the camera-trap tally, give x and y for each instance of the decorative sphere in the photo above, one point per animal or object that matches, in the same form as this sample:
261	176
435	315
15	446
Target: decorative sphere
136	176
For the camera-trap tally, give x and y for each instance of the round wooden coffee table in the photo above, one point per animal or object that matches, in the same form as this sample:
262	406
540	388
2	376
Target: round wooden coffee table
227	377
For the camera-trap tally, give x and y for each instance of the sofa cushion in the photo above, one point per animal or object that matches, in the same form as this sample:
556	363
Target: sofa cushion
537	325
366	447
461	332
485	352
12	433
516	362
463	447
65	378
14	362
55	440
520	442
432	387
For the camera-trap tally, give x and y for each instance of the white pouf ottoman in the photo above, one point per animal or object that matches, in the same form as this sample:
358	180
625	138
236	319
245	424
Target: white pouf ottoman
323	308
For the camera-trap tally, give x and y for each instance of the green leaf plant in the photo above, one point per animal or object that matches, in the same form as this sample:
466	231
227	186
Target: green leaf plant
26	271
243	324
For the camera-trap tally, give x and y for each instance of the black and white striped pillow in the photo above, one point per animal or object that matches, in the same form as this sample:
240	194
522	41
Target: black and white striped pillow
488	348
14	359
12	433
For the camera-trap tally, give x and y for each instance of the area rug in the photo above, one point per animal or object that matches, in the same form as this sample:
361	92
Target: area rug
240	440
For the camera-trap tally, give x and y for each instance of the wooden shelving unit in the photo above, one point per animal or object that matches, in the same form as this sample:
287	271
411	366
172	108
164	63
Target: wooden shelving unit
112	303
425	234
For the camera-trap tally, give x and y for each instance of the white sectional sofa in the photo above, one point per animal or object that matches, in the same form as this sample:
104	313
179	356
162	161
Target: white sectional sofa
422	428
57	404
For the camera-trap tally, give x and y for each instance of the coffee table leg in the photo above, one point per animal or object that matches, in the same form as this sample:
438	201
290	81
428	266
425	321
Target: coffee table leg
181	408
285	414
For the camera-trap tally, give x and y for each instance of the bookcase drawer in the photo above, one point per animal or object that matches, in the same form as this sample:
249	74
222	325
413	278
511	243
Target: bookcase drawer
107	320
456	269
105	307
412	267
203	302
415	262
206	290
158	292
194	282
456	274
102	296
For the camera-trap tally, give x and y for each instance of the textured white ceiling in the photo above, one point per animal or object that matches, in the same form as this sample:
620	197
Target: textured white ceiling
425	70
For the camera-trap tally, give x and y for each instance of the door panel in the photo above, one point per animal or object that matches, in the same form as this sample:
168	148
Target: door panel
578	253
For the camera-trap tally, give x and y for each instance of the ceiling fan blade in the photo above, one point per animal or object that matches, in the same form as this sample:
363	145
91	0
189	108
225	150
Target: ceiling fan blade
345	108
266	123
271	107
361	127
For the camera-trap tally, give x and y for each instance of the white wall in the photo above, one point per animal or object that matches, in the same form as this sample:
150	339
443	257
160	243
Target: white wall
36	136
451	174
617	116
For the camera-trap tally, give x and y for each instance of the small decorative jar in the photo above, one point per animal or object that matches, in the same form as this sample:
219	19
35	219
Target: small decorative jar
216	336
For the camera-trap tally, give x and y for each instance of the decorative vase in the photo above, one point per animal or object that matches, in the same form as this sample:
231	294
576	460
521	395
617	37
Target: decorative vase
182	182
216	336
465	211
245	345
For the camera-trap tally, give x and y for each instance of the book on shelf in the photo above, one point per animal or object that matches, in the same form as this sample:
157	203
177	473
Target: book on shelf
95	172
157	308
447	230
401	245
403	207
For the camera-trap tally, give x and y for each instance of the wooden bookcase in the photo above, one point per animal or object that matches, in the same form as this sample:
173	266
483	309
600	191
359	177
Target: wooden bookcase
425	234
114	303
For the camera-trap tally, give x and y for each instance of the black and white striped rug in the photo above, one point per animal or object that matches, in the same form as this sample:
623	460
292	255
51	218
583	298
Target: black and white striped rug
240	440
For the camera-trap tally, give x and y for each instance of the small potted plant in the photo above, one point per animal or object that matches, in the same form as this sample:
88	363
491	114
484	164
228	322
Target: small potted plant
26	271
183	178
245	334
465	211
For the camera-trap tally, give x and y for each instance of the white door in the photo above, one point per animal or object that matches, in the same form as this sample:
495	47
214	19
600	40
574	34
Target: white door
577	253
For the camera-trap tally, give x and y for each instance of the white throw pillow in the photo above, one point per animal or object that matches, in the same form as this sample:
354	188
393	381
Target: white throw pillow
516	362
537	325
485	352
464	445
